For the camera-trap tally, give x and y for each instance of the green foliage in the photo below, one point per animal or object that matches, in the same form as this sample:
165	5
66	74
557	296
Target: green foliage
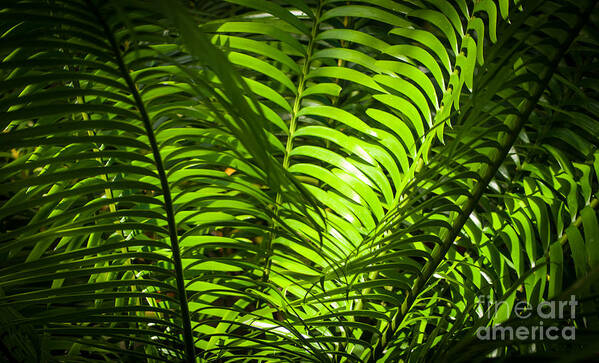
294	180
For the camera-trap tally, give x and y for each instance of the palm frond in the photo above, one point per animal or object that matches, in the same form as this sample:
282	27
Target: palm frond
293	180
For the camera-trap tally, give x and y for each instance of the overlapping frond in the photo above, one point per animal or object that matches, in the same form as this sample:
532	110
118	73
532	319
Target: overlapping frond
292	180
123	160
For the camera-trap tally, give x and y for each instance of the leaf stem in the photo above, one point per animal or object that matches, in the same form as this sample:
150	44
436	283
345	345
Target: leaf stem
292	128
168	203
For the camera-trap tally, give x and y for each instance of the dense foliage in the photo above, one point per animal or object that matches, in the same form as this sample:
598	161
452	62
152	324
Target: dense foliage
295	180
